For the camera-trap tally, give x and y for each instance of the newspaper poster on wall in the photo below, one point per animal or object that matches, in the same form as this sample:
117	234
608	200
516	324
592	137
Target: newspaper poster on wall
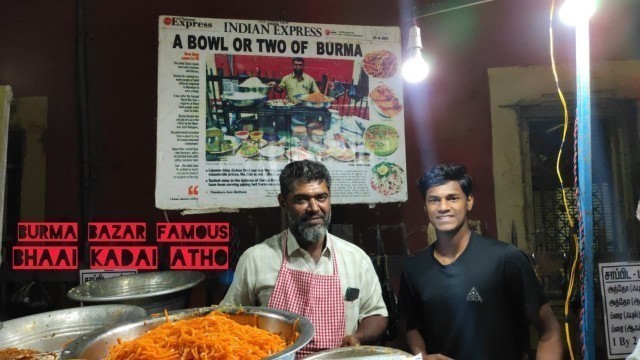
240	99
620	286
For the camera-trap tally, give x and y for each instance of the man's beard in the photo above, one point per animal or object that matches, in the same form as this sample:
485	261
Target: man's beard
297	72
308	234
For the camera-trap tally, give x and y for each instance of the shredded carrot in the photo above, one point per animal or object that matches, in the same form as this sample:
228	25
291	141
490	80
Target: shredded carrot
212	337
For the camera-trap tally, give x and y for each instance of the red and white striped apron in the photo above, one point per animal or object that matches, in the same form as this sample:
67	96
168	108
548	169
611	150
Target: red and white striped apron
316	297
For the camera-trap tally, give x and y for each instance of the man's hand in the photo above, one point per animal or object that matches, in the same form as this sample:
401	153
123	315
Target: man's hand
350	340
549	334
369	330
275	86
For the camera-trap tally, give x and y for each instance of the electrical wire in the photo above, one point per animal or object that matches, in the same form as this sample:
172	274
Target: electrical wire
564	193
434	12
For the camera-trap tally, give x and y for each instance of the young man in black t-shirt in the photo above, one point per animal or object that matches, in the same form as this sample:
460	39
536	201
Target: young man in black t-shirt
466	296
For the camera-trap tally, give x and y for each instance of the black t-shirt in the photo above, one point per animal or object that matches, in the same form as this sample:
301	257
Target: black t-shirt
476	307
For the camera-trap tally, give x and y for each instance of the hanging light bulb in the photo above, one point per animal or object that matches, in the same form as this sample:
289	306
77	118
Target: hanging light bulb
573	11
415	69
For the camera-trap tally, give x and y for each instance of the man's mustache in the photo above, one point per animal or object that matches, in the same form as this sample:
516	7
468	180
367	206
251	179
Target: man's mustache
314	217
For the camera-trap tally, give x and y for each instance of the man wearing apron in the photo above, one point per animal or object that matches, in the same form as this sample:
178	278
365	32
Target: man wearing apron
308	271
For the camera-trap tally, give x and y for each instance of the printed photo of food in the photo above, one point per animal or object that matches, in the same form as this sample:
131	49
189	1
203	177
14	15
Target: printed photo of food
381	139
385	101
381	64
387	178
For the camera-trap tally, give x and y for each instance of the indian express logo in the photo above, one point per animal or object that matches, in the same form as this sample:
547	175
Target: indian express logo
186	22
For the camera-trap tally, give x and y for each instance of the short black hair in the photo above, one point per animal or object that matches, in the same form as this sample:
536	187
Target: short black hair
297	59
305	171
440	174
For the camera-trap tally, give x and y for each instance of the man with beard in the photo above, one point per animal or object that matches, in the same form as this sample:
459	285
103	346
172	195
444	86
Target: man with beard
308	271
296	83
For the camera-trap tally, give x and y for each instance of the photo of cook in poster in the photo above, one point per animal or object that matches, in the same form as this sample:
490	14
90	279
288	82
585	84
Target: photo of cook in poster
288	108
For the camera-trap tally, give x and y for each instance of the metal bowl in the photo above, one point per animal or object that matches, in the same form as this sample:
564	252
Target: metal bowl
50	331
255	85
260	89
359	351
242	99
95	345
153	291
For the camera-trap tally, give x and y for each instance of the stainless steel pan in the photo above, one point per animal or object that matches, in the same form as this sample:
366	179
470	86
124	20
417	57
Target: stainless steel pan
96	344
50	331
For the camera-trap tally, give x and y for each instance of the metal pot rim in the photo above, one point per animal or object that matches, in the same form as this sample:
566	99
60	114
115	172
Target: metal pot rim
82	292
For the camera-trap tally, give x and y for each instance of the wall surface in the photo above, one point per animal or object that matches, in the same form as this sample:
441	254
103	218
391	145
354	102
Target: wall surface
618	79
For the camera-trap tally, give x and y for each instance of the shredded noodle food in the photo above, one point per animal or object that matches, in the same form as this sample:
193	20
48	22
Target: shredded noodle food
317	97
387	178
380	64
214	336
